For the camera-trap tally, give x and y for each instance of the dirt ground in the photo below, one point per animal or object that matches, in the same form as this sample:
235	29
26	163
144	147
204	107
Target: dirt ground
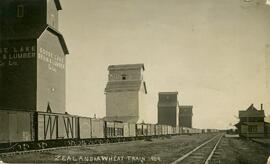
156	151
235	150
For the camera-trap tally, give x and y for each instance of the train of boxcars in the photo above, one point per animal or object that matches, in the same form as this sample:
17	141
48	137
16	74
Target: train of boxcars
38	130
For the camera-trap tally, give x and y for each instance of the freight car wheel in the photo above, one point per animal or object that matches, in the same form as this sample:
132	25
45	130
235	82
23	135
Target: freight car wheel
97	141
71	143
88	142
42	145
18	147
25	147
22	147
82	143
91	142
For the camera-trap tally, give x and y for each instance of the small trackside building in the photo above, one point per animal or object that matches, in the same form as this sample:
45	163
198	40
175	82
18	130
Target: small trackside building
125	93
32	56
251	124
168	108
185	116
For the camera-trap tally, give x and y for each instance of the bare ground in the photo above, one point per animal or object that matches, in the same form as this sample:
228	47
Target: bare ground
165	150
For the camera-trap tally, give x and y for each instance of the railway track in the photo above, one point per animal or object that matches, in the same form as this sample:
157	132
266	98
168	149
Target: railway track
198	157
202	154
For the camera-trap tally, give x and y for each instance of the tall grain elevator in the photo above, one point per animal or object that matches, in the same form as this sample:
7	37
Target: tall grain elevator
185	116
32	56
125	93
168	110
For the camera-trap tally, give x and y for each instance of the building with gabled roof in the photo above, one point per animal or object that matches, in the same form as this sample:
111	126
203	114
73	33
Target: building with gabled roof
32	56
251	124
168	108
125	93
251	113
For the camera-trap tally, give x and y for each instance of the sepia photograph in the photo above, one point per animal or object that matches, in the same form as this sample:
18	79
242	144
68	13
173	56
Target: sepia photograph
135	81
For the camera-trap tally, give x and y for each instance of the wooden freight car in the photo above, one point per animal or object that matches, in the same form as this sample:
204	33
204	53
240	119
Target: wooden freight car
129	130
16	126
139	130
151	130
170	130
114	129
85	128
52	126
30	130
158	130
97	128
164	129
145	129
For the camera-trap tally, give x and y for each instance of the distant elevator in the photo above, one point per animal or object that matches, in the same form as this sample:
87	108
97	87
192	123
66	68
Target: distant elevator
185	116
125	93
168	110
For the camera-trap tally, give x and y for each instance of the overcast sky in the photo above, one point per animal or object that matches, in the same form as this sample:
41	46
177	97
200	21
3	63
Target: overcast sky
213	52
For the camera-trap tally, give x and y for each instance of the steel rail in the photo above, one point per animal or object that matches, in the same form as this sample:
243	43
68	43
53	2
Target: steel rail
192	151
213	151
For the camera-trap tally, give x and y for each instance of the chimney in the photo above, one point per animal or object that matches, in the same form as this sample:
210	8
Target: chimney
261	106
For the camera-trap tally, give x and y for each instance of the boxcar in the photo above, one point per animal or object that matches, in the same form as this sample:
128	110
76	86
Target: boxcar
198	131
16	126
173	130
126	130
53	126
97	128
85	127
145	129
164	129
151	129
68	126
204	131
181	130
47	126
184	130
109	129
158	130
139	130
190	130
170	130
129	130
114	129
177	131
119	129
132	129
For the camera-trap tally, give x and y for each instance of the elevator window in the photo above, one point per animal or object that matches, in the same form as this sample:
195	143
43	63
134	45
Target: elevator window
20	11
124	77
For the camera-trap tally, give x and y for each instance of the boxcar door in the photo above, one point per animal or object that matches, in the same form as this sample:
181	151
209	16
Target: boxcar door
13	127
